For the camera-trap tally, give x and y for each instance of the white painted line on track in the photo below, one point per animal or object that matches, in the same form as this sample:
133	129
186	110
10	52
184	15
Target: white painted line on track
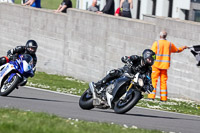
167	111
135	106
51	91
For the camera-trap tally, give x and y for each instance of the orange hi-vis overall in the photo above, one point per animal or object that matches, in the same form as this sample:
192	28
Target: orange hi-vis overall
163	50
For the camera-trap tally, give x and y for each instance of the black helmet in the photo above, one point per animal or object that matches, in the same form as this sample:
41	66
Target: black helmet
31	46
148	56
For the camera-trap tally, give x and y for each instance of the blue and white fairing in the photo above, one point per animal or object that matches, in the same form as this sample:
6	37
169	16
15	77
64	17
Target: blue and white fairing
23	67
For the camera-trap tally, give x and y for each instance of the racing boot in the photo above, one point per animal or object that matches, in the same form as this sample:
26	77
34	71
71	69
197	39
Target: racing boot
100	84
110	76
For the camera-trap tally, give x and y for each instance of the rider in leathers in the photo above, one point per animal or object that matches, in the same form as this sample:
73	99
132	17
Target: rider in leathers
133	65
12	54
30	48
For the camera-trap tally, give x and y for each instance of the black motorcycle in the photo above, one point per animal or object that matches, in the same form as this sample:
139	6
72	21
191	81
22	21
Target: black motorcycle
121	94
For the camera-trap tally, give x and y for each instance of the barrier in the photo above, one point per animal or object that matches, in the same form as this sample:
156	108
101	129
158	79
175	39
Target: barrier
85	45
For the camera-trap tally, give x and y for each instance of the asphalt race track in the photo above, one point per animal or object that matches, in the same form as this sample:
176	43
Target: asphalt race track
63	105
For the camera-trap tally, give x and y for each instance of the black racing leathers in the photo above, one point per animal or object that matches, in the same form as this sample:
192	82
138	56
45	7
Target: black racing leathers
133	65
13	54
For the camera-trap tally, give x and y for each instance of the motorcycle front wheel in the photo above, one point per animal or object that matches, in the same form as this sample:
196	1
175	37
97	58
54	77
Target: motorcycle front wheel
124	105
8	87
86	100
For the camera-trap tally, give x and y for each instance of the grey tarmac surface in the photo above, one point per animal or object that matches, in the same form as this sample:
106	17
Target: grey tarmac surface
67	106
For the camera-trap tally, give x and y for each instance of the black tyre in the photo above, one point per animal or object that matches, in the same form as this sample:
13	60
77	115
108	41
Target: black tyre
123	106
7	88
86	100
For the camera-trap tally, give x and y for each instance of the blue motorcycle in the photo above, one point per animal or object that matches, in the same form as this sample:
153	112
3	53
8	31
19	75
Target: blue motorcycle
15	73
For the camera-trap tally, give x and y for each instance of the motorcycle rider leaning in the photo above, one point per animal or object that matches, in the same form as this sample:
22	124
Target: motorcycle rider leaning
30	48
133	64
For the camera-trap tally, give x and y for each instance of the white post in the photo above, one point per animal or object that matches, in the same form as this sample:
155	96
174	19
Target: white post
146	7
162	8
134	10
178	5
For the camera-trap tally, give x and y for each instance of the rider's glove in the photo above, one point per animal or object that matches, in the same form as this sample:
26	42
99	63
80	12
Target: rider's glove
10	53
125	59
10	56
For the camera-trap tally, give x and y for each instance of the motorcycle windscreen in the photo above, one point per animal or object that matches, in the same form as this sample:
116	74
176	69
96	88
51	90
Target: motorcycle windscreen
27	58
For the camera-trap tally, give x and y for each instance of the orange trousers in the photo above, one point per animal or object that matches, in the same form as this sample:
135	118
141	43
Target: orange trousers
156	73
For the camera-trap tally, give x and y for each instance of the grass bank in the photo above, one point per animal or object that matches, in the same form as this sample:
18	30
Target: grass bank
172	105
16	121
73	86
58	83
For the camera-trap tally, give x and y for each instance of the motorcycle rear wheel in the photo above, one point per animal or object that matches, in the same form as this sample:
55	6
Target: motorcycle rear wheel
86	100
123	106
7	88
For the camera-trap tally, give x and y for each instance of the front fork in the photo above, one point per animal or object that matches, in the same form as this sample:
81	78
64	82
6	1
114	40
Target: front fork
128	91
130	86
24	80
10	77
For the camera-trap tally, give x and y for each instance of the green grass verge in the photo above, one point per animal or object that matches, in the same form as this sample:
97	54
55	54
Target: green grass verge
73	86
172	105
16	121
50	4
58	83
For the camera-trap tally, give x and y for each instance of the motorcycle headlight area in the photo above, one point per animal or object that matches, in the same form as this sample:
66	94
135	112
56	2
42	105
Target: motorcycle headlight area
26	66
140	82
